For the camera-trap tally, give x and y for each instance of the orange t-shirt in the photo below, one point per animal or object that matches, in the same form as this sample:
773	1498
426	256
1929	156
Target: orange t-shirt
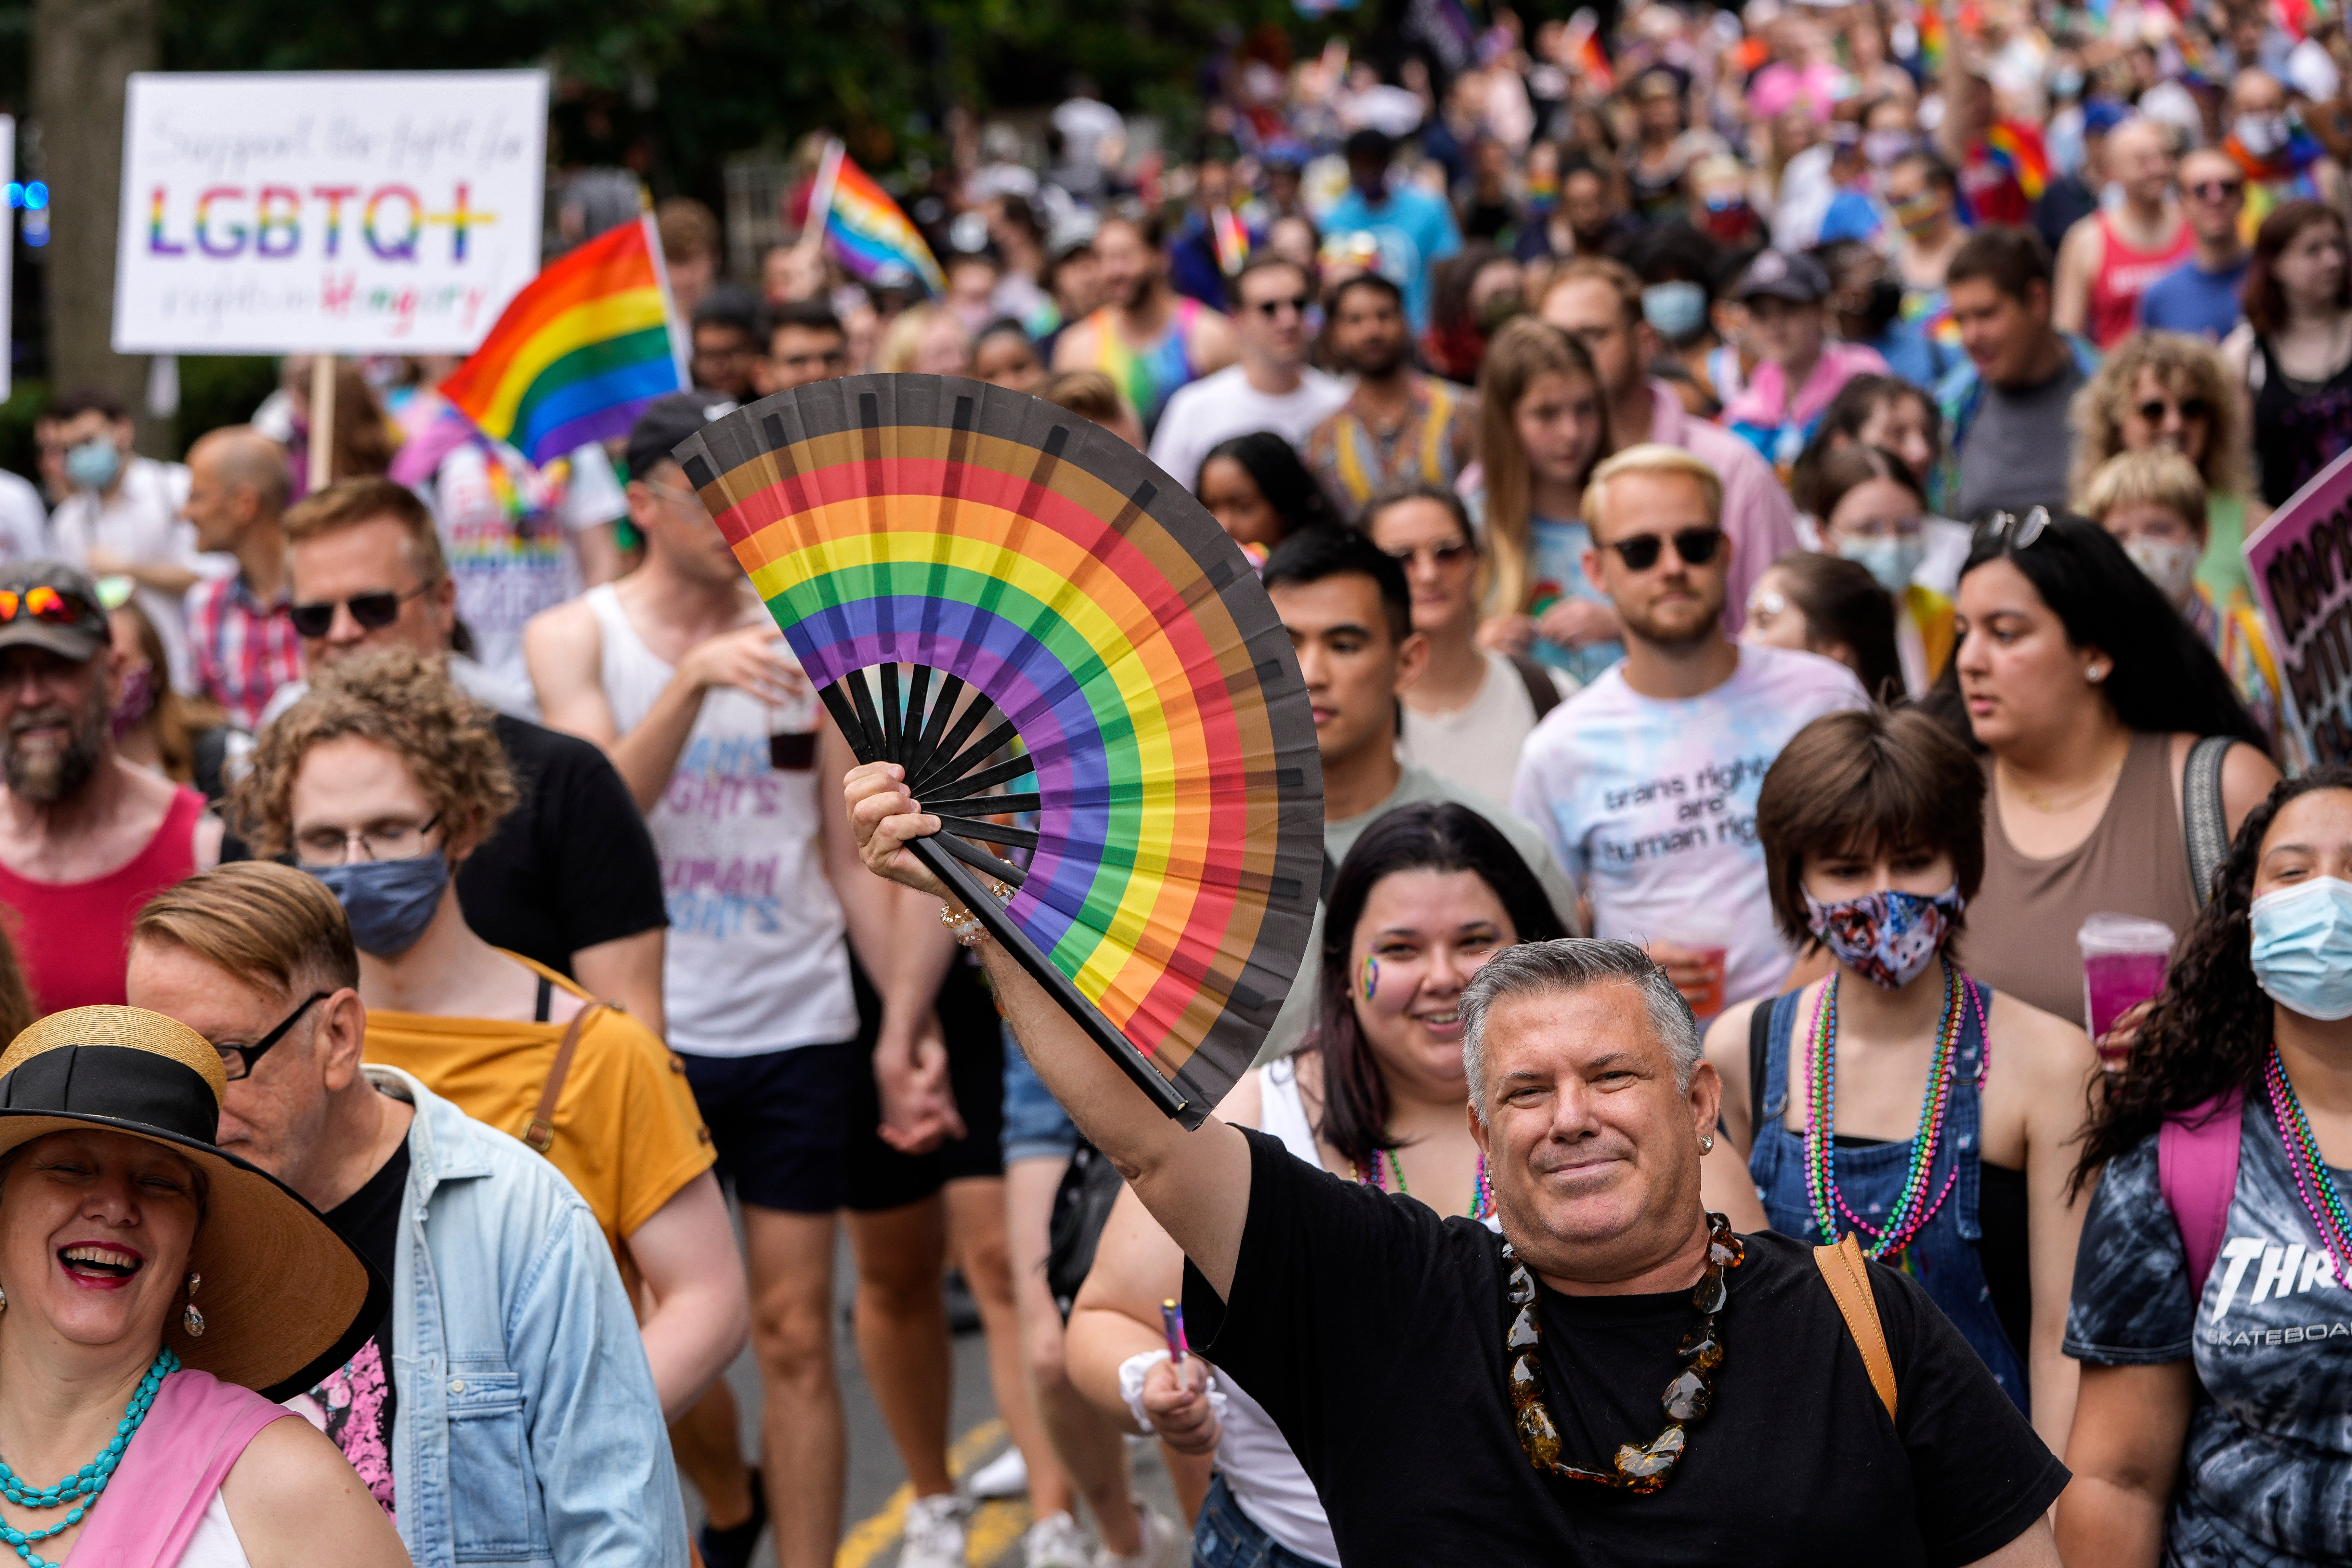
627	1134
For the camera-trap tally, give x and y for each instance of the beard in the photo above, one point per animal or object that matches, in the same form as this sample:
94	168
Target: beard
1381	363
1673	628
44	775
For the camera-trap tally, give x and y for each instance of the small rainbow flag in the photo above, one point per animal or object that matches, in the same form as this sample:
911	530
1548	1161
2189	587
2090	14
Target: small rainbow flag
1935	40
577	355
2017	147
868	234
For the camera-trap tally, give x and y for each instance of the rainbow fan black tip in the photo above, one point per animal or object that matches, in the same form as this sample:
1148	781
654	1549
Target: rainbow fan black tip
1143	705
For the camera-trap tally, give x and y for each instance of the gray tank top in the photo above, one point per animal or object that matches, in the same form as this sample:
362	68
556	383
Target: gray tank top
2022	925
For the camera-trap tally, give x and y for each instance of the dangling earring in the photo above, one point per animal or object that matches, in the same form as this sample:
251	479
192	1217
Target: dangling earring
192	1319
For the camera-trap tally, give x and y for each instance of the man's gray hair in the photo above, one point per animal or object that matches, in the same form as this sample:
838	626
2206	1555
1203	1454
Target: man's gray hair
1572	963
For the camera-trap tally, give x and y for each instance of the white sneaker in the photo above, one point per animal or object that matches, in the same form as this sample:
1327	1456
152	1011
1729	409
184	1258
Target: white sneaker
934	1534
1165	1544
1007	1475
1056	1542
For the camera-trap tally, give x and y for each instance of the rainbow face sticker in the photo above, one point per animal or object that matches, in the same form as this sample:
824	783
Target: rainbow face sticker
1370	979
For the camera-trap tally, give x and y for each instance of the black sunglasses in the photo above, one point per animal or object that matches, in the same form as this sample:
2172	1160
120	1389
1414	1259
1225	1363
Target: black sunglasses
2006	531
2217	190
237	1061
374	612
2190	408
1272	308
1696	546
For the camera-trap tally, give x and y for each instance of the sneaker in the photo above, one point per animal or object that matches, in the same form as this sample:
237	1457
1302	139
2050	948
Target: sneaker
1166	1543
934	1534
1056	1542
733	1547
1007	1475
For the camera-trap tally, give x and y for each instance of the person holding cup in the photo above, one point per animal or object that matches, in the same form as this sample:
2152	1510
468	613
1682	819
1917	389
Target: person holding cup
1645	781
1899	1097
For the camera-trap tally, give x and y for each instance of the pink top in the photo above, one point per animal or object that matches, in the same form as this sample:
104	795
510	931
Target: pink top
194	1434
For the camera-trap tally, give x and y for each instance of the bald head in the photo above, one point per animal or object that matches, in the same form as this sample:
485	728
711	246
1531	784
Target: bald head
2256	92
236	483
2139	158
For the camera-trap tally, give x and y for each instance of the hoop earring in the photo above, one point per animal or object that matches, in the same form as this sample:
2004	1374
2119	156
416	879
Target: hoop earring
192	1319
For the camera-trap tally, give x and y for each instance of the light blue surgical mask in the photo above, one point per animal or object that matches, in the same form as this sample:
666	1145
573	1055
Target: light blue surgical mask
1892	558
2303	947
1675	311
389	902
92	465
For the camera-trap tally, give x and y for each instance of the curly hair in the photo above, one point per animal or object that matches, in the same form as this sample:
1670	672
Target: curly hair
2209	1028
405	703
2185	365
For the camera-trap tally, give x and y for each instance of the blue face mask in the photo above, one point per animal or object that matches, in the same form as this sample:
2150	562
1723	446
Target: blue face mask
92	465
1890	558
389	902
1675	311
2303	947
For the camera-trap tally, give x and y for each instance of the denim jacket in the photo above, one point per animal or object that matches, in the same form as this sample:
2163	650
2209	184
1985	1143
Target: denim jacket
527	1432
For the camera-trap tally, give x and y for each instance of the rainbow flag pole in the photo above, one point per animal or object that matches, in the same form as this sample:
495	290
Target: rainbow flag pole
850	213
577	355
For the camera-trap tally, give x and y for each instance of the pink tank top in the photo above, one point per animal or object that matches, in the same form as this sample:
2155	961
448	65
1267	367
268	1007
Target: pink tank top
2124	275
194	1434
74	937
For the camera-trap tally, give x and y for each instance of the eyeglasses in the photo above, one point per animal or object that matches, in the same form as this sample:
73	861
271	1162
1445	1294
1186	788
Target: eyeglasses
237	1061
44	603
374	612
2006	531
2190	408
1270	308
674	495
2217	190
380	840
1696	546
1454	553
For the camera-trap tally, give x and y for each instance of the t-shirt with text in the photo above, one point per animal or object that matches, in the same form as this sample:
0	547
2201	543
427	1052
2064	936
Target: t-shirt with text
1651	804
2267	1474
1371	1331
354	1405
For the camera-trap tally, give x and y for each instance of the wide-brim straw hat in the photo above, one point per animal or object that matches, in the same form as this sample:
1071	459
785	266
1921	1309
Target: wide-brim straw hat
286	1301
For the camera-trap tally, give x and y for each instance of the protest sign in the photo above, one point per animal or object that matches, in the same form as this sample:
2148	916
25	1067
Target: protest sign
349	212
2301	562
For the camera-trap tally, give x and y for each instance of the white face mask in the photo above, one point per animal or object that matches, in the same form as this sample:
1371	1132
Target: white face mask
1890	558
2260	135
2169	563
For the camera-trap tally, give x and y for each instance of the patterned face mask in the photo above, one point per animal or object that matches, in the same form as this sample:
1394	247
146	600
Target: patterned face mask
1889	937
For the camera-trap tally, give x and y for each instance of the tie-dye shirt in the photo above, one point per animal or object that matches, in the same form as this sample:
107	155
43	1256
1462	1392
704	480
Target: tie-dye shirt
354	1405
1651	805
2267	1474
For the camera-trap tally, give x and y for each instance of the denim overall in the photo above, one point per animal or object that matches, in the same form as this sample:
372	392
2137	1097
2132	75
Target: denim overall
1942	1255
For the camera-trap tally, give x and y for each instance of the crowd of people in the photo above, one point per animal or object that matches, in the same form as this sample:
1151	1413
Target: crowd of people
1757	503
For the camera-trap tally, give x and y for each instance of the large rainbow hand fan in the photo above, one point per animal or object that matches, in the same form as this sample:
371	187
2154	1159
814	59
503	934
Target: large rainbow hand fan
1131	666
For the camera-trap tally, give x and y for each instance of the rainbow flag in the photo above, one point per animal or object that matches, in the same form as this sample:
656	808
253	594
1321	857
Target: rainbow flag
2017	148
577	355
1934	42
868	234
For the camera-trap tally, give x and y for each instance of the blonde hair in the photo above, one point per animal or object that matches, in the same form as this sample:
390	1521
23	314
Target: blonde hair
904	341
271	926
2160	477
347	503
1523	351
1652	457
395	697
2183	364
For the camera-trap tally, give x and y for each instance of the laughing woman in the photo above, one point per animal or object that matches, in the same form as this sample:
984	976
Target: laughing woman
1428	894
149	1284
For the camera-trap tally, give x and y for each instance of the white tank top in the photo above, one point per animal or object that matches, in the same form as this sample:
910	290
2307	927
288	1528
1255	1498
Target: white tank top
756	960
1267	1482
214	1544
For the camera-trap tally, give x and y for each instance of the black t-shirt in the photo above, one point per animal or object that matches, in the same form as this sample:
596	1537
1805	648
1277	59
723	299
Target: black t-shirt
1372	1331
572	865
356	1401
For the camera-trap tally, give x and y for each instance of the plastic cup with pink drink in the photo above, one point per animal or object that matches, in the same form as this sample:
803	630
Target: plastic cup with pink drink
2124	961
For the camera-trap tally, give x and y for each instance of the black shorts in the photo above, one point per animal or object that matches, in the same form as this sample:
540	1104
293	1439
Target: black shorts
796	1131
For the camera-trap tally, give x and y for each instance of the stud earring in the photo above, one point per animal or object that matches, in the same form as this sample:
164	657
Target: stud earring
2097	673
1707	1143
3	1300
192	1319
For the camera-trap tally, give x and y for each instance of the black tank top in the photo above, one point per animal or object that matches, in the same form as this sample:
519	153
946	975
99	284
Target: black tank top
2300	427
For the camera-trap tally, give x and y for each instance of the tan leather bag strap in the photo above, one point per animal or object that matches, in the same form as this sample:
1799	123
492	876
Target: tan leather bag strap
1847	1273
540	1132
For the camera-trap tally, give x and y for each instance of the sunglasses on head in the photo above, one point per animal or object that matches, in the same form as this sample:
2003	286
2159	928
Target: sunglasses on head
2007	531
1696	546
2190	408
44	603
374	612
1271	308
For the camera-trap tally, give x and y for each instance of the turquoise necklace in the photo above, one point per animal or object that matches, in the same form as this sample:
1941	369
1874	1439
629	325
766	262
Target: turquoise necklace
79	1490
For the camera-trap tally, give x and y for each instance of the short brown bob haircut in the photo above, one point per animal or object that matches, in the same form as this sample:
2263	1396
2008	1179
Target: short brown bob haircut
271	926
1861	782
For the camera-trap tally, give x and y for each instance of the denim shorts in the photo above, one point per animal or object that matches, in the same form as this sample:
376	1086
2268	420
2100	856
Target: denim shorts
1225	1537
1036	1125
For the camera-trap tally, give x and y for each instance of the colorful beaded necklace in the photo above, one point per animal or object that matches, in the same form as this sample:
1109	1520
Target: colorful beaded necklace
78	1491
2313	1179
1821	1130
1481	1193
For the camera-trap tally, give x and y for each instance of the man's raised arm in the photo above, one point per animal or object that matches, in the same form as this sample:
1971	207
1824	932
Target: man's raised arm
1195	1184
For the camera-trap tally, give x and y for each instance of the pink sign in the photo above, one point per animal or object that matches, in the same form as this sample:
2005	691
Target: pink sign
2301	562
